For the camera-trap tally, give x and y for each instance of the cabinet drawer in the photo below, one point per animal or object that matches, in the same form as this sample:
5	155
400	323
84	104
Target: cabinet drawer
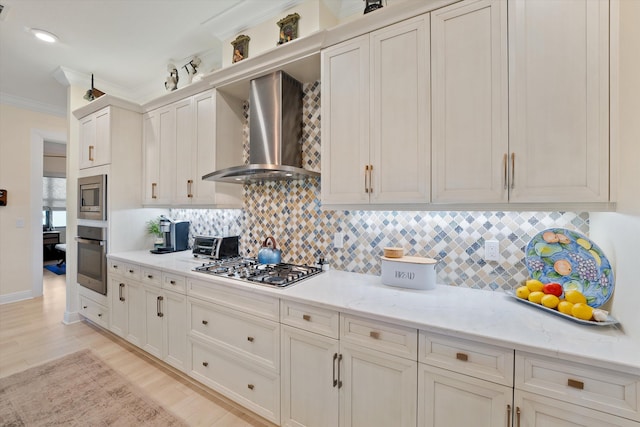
95	312
484	361
124	269
310	318
389	338
597	388
249	386
240	334
150	276
174	282
245	301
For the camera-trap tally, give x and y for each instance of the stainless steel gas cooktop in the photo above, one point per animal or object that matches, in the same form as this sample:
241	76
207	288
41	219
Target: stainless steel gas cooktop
248	270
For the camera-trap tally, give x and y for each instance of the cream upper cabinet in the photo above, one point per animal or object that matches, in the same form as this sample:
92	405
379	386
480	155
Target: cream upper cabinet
159	147
375	117
182	143
95	139
345	122
469	102
559	101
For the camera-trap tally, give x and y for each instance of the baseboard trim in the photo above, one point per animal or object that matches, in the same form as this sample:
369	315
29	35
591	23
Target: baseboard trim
15	297
71	317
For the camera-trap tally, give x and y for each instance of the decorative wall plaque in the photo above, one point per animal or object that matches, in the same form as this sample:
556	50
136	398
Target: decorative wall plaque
288	28
240	48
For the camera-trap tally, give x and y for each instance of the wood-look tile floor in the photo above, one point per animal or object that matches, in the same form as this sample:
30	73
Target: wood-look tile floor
32	332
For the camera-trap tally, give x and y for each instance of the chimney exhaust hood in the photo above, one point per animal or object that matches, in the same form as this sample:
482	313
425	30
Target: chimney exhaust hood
275	129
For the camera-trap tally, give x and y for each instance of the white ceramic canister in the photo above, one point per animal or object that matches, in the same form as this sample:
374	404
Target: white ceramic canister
409	272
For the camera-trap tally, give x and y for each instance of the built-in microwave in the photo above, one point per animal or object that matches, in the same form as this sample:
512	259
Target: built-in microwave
92	197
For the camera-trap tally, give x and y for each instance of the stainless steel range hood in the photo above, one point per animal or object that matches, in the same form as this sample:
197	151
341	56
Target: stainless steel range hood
275	129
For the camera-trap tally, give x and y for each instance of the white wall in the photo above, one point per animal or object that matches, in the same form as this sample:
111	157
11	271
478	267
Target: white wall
619	233
314	16
18	129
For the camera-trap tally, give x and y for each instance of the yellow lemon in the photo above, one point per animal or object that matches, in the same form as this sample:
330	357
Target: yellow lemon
523	292
536	296
595	256
534	285
584	243
550	301
574	296
582	311
565	307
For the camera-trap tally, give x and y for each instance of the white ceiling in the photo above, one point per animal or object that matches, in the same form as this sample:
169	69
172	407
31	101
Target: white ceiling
125	44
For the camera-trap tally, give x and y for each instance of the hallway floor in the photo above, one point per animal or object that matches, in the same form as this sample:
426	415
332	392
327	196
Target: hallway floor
32	332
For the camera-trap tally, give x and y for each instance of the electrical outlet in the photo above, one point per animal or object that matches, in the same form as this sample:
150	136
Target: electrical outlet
338	240
491	250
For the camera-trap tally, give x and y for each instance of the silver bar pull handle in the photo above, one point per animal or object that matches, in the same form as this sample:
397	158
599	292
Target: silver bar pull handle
505	163
513	170
335	380
159	302
120	291
339	380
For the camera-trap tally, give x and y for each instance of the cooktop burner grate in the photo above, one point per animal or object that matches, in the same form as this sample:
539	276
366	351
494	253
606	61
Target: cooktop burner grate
247	269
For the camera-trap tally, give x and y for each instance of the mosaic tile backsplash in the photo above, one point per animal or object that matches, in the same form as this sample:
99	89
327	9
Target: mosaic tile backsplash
290	212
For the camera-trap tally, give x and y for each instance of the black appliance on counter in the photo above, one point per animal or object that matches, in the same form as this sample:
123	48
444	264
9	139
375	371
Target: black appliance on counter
249	270
216	247
176	236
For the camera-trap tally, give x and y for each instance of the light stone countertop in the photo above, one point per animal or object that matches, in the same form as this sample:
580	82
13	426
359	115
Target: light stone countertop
484	316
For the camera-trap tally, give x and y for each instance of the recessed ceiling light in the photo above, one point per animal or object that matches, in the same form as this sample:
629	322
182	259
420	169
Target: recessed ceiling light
45	36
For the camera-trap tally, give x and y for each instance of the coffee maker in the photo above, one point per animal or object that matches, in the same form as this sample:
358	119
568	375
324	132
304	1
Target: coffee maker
176	236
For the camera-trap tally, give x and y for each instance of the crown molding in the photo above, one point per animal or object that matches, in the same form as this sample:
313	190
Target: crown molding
32	105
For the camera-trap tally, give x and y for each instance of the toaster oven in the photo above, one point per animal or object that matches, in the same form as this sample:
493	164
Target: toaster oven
216	247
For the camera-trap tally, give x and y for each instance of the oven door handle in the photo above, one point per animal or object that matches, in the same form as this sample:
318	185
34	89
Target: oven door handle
90	242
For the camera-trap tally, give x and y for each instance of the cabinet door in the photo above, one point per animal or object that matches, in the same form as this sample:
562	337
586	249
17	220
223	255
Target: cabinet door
151	150
87	141
377	389
205	147
533	410
119	306
559	100
153	334
102	154
345	122
174	308
400	119
470	102
448	399
185	152
136	316
309	368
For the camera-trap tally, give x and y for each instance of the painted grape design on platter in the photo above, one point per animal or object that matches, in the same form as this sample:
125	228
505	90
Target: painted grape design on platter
587	269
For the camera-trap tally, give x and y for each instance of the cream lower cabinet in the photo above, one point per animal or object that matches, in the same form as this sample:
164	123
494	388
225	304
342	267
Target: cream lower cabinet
126	300
234	345
534	410
551	392
350	379
165	325
375	117
463	383
448	399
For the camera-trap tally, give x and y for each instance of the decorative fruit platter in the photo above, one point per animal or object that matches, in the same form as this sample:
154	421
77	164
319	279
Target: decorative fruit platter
607	322
572	260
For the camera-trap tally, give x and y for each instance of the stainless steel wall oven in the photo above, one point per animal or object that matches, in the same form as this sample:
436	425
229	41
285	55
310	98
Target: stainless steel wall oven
92	258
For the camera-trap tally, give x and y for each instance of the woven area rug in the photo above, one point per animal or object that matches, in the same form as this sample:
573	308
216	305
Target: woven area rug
77	390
